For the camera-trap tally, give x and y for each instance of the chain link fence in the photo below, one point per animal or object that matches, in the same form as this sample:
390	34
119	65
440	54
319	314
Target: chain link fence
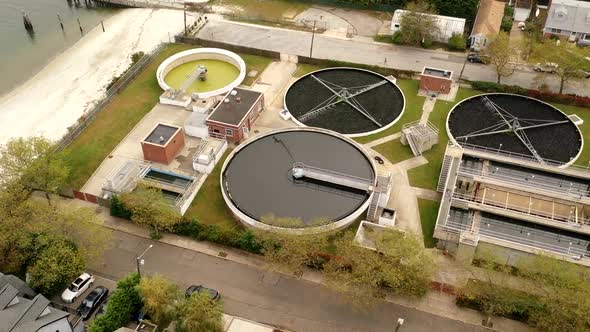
86	119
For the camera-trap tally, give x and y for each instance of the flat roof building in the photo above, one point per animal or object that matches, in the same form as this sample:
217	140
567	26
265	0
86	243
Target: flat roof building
163	143
234	116
436	80
447	25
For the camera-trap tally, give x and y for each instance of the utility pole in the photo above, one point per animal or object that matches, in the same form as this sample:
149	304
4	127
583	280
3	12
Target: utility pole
312	38
463	68
184	11
140	261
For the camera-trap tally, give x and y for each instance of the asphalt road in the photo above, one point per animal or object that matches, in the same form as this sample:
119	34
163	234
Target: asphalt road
263	296
364	50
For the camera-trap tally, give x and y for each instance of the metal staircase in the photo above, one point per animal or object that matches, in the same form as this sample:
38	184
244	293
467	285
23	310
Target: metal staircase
413	144
444	171
372	211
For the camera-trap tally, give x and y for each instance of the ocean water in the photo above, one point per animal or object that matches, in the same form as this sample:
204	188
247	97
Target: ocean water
23	54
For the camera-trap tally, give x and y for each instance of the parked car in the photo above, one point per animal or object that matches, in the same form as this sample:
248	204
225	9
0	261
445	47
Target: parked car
92	301
547	67
478	58
102	308
215	295
79	286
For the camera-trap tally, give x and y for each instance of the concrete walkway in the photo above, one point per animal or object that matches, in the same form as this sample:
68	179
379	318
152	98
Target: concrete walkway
427	108
125	232
382	140
427	194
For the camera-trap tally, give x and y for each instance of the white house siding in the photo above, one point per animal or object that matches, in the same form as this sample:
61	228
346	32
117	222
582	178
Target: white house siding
447	25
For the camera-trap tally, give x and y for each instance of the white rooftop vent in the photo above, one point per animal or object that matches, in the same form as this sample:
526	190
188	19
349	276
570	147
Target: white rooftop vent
576	119
233	92
161	139
226	100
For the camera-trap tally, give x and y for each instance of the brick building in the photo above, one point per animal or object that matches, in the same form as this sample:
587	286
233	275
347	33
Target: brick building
436	80
163	144
234	117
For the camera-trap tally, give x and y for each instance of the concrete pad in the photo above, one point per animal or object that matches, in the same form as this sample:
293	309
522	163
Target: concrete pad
383	140
427	194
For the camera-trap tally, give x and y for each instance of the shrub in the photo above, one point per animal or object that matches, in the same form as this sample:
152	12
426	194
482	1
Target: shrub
427	42
118	209
457	42
224	235
397	38
506	23
123	305
521	304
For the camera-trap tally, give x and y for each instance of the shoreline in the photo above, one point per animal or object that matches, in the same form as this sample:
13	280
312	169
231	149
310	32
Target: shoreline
61	92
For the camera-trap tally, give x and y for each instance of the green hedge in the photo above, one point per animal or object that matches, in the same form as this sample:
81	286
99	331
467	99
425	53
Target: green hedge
519	305
123	305
220	234
566	99
457	42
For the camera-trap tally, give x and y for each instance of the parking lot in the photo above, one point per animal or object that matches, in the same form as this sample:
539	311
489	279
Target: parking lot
74	318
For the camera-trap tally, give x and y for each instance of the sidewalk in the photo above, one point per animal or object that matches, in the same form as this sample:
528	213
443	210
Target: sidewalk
437	303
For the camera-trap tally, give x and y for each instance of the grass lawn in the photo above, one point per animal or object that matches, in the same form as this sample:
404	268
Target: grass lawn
208	207
111	125
383	39
426	176
428	213
394	151
412	112
254	62
584	114
304	69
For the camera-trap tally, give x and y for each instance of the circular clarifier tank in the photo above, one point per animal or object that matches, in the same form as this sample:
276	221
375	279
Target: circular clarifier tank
225	71
516	125
354	102
315	179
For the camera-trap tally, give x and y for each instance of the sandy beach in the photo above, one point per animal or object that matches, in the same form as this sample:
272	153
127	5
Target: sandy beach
52	100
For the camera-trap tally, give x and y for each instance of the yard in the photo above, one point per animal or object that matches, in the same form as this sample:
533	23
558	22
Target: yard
428	214
584	114
111	125
209	207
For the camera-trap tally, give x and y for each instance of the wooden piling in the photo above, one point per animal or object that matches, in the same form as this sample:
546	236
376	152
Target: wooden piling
61	24
80	26
27	22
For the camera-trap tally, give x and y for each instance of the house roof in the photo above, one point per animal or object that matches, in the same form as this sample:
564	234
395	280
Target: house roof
569	15
236	108
21	286
489	18
18	314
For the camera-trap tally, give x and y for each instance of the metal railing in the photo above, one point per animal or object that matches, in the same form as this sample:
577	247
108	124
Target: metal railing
523	210
553	188
338	178
520	156
122	82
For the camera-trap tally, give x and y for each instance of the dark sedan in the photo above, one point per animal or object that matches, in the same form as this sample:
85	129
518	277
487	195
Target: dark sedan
199	289
92	301
478	58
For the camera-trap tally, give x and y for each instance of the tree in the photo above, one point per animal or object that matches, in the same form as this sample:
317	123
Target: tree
533	12
418	26
569	59
199	313
123	304
34	163
501	56
533	36
457	42
457	8
57	263
159	298
488	278
565	290
149	207
399	263
289	252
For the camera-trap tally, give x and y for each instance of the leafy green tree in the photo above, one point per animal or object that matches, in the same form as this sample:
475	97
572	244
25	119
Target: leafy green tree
123	304
501	56
57	263
565	293
199	313
457	8
488	278
291	253
34	163
457	42
149	207
571	60
418	26
399	263
160	297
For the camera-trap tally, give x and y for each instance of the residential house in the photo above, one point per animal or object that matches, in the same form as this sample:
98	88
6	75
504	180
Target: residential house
23	289
569	19
19	314
487	23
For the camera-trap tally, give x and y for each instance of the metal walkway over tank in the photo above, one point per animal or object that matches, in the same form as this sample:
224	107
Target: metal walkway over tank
300	170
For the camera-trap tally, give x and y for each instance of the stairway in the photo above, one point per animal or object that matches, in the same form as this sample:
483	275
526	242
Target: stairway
444	171
372	211
413	144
